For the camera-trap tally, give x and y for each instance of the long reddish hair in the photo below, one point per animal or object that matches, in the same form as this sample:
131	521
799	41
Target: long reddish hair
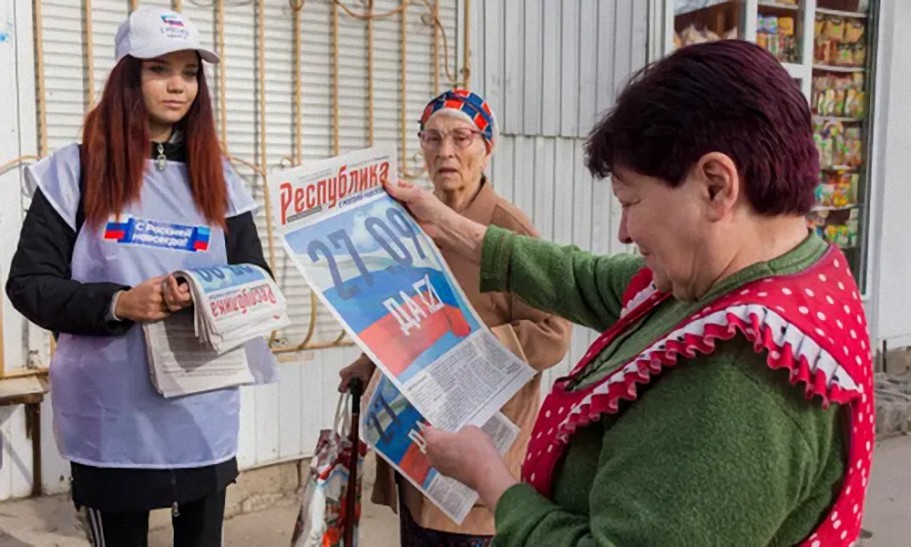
116	146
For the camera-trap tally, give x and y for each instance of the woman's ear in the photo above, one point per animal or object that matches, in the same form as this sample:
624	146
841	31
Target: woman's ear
487	160
718	175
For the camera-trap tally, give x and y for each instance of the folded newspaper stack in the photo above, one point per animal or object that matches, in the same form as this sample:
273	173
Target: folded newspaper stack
203	349
234	304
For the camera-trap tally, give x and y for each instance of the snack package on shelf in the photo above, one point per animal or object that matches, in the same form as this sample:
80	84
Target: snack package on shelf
834	29
843	235
852	148
835	194
777	35
839	148
691	35
824	146
854	104
837	189
853	227
838	234
825	136
838	95
839	41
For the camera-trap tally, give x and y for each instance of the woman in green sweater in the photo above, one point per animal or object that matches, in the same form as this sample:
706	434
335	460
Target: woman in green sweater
729	398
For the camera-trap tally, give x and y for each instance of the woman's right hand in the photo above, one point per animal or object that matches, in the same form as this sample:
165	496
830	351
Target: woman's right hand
431	213
144	302
362	369
448	229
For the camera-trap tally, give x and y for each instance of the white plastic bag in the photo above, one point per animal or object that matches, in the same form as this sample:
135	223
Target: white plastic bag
323	517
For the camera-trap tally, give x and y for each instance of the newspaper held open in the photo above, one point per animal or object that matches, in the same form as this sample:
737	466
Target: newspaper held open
386	282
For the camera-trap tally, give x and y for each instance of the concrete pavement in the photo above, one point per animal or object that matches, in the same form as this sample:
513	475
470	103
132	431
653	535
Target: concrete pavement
50	521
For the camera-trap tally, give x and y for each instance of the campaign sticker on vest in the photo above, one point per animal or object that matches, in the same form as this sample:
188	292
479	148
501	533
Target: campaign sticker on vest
164	235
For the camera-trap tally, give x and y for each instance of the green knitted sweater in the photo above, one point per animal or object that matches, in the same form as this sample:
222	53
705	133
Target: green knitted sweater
720	450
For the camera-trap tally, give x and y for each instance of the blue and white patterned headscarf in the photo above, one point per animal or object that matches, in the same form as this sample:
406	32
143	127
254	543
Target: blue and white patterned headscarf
470	105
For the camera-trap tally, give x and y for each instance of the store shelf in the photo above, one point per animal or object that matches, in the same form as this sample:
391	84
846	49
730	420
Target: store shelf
832	68
707	4
839	13
820	208
842	119
778	5
839	168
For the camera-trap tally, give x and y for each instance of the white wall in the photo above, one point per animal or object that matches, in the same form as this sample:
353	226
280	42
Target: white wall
549	68
15	39
891	233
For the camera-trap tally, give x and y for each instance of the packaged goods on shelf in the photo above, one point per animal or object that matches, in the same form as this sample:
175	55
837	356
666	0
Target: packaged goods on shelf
839	147
778	36
691	35
839	41
839	95
836	190
842	233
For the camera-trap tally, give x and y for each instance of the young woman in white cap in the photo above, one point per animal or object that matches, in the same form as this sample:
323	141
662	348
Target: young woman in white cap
93	263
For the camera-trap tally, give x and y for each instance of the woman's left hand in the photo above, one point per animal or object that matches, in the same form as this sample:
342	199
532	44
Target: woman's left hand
471	458
176	295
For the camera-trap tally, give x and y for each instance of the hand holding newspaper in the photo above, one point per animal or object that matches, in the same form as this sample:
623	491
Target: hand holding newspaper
234	304
203	349
392	427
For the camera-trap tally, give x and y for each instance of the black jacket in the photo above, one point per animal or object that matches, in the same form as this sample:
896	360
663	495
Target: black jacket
40	284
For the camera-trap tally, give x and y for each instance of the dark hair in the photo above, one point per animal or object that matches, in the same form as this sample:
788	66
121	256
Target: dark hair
116	146
729	96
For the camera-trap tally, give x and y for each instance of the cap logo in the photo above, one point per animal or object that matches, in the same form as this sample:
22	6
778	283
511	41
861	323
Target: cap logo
173	27
172	20
153	32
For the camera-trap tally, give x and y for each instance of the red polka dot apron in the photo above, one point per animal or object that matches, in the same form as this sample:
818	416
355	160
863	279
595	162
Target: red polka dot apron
812	324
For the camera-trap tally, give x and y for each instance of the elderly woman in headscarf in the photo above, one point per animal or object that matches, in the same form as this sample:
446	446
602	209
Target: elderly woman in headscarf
457	134
729	400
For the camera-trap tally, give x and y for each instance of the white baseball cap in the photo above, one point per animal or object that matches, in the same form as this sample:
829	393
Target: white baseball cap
151	32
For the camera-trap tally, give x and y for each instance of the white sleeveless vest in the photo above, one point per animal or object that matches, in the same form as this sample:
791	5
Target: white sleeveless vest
106	411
